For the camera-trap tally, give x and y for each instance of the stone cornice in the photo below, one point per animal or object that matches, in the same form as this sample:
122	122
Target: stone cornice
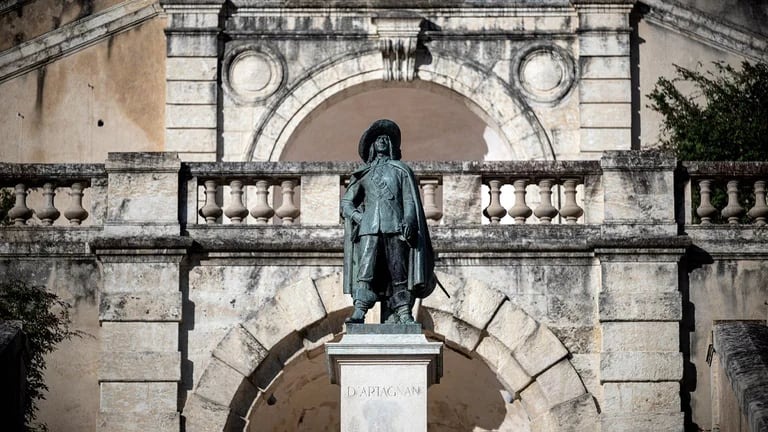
74	37
707	29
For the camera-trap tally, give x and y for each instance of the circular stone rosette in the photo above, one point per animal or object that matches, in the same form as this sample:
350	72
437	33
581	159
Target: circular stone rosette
253	72
545	73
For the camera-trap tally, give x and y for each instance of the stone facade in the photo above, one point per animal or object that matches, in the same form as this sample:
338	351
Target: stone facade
580	323
208	276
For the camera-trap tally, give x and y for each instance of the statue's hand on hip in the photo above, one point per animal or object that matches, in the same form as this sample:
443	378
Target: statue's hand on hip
409	233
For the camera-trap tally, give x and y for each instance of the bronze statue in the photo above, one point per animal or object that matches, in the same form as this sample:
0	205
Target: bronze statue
388	255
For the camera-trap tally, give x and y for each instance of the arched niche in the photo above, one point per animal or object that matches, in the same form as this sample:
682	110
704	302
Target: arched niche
436	124
259	362
483	93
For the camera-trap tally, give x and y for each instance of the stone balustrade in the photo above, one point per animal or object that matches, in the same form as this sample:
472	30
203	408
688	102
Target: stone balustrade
725	193
453	193
544	192
262	193
43	193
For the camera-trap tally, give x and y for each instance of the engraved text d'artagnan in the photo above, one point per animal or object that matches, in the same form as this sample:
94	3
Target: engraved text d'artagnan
382	391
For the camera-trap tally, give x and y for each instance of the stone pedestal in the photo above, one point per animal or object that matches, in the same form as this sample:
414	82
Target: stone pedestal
384	371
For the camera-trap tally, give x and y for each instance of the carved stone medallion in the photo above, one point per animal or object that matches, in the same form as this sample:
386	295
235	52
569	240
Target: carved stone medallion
252	72
545	73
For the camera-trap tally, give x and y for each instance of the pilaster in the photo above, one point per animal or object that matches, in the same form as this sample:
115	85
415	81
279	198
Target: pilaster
639	304
140	309
605	95
192	69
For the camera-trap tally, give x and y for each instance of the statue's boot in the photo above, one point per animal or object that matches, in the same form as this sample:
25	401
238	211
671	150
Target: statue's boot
401	301
404	312
358	316
364	299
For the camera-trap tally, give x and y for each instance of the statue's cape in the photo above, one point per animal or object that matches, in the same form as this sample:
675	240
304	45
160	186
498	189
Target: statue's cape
421	277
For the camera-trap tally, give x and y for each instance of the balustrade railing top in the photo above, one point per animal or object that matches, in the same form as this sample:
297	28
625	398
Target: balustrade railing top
485	168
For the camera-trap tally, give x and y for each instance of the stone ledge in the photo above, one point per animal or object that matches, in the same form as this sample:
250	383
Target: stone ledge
155	162
743	351
124	245
637	160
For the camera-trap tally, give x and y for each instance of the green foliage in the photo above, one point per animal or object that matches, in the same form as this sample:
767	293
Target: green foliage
725	117
46	322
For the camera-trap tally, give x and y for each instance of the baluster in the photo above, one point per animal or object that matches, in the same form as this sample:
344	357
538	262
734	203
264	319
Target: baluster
760	210
570	210
75	212
495	212
287	210
545	211
733	210
49	213
431	211
236	211
210	211
19	213
261	211
706	210
520	211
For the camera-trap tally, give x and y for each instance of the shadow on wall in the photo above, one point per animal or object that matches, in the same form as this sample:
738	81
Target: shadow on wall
452	132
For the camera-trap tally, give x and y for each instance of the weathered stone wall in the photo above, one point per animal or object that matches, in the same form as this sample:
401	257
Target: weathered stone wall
723	283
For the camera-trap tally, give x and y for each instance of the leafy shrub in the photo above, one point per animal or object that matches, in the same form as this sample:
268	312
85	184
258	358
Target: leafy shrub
46	322
724	118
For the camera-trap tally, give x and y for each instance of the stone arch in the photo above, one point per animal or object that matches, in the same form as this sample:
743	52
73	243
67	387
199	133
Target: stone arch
492	99
528	359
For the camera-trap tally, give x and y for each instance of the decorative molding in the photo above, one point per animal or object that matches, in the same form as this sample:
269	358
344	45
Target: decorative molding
707	29
398	38
545	73
252	71
74	37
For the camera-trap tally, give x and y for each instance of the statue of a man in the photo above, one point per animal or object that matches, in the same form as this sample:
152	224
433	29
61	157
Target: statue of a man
388	255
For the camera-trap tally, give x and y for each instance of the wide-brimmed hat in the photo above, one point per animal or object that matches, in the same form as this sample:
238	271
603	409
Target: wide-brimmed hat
376	129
